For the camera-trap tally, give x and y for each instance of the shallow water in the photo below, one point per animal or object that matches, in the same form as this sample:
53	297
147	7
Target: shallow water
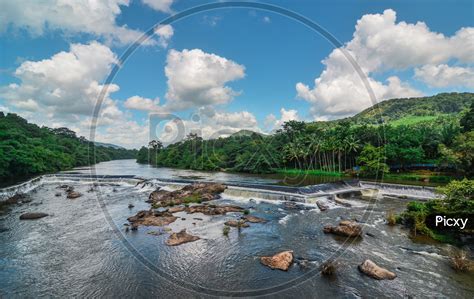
75	252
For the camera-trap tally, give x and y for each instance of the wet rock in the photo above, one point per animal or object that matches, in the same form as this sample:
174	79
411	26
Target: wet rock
180	238
69	189
31	216
322	207
281	261
15	199
200	219
130	206
176	209
342	202
370	235
57	194
345	228
236	223
155	233
373	270
213	210
133	227
253	219
73	195
290	205
150	218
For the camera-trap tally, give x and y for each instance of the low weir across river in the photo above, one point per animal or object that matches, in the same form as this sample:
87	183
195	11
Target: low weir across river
306	194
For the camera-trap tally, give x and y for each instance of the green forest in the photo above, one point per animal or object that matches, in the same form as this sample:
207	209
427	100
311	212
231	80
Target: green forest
27	150
391	138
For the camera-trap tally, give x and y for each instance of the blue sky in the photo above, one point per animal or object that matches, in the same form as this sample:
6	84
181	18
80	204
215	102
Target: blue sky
237	68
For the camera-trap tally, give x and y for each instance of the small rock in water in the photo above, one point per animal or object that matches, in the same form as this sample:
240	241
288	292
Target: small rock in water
130	206
73	195
57	194
30	216
373	270
281	261
236	223
345	228
253	219
182	237
322	207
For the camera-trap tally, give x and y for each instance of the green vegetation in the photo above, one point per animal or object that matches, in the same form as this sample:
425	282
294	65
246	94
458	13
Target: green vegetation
226	230
309	171
458	202
432	132
460	260
27	150
193	198
391	218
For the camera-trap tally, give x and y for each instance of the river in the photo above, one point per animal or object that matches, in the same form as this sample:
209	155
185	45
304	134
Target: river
82	249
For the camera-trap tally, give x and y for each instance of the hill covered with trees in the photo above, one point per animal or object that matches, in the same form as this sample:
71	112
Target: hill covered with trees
26	149
432	132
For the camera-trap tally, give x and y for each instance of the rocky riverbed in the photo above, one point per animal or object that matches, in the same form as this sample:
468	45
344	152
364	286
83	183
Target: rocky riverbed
74	251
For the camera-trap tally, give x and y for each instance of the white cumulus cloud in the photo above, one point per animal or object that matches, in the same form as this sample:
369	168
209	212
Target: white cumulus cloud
93	17
273	123
196	78
160	5
381	44
140	103
444	75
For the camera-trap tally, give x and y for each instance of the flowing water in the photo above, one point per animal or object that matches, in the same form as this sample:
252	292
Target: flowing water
82	249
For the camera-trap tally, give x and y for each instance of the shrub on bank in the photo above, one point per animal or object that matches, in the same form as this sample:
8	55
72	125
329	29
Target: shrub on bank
457	202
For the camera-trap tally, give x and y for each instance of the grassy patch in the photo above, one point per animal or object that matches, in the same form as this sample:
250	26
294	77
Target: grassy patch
434	178
193	198
412	119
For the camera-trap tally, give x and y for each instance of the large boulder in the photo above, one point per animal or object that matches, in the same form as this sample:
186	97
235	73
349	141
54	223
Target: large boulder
373	270
180	238
33	215
281	261
345	228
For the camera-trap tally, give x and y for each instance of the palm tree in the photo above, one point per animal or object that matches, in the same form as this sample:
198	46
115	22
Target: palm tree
352	145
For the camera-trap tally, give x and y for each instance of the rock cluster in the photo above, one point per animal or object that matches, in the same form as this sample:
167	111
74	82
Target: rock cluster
190	193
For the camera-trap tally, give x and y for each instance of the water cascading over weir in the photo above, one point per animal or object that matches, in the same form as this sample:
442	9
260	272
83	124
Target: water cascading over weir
338	191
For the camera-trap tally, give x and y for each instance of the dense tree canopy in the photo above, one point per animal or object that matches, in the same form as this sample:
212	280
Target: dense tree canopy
423	131
26	149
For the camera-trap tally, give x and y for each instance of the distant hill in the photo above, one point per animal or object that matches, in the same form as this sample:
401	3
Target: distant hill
246	133
108	145
415	109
